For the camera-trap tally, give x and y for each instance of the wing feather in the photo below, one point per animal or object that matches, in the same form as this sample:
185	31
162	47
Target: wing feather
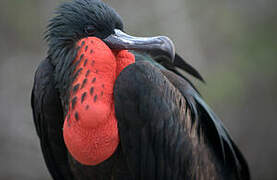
48	119
163	128
206	117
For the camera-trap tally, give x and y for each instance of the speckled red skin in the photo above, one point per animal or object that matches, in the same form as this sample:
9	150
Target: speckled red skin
90	127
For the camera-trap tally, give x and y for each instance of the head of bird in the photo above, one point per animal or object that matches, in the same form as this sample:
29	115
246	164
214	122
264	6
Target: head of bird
93	18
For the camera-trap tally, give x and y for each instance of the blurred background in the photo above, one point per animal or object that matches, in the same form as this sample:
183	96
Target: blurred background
232	43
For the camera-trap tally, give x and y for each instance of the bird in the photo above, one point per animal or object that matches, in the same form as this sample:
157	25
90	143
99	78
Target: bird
110	106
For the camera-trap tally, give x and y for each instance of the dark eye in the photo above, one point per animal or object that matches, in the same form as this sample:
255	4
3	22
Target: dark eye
90	30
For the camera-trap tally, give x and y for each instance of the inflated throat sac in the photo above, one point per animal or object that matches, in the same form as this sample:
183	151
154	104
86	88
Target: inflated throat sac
90	127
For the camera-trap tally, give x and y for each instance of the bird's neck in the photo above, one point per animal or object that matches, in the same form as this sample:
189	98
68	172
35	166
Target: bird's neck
90	127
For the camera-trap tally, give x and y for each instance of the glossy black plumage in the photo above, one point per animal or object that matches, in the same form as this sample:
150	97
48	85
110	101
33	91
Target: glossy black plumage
163	136
150	138
48	119
166	129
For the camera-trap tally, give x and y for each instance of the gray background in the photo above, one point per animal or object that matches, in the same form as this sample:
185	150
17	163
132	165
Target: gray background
233	44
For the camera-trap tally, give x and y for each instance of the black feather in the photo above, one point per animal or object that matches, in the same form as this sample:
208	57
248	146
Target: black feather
48	118
183	65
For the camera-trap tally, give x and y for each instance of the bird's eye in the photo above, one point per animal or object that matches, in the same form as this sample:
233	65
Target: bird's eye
90	30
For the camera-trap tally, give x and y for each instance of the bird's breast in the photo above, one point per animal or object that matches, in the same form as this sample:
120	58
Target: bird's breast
90	127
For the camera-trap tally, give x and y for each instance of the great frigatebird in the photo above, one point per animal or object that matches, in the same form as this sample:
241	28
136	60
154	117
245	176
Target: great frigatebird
108	105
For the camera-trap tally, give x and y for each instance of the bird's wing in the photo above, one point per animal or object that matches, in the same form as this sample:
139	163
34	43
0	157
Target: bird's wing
211	126
48	119
161	130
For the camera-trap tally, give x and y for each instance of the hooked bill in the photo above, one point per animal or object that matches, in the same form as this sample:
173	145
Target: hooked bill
90	127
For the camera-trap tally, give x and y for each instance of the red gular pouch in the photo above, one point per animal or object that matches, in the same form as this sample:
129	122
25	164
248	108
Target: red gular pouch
90	127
